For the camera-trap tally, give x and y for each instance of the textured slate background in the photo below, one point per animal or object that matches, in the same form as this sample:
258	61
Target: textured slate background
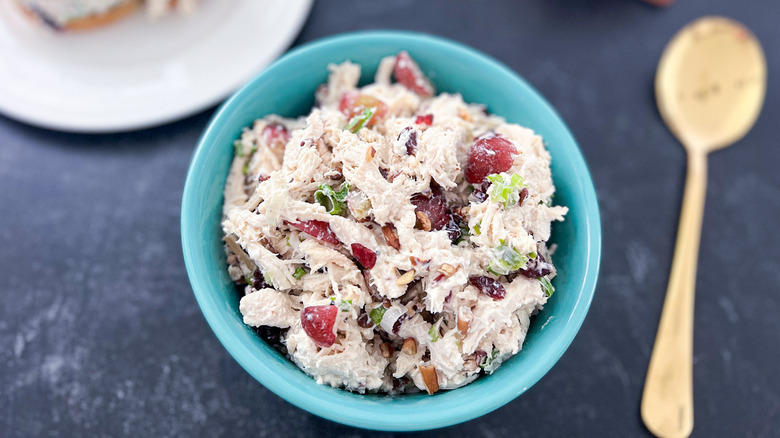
100	333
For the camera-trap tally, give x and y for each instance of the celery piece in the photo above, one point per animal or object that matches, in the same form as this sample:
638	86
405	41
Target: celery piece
505	189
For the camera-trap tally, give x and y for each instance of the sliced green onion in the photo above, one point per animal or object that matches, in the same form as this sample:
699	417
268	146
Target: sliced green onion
238	148
506	259
549	289
377	314
477	230
434	331
356	123
333	201
269	278
465	232
346	305
505	189
300	271
488	360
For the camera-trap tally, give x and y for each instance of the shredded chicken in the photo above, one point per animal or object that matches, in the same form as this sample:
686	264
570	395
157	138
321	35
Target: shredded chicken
362	209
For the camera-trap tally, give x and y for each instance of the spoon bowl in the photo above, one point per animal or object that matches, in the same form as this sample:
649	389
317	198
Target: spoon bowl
710	83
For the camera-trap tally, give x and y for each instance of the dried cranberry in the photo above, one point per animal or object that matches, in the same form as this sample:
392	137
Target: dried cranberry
270	334
490	153
364	256
409	136
536	268
480	192
364	320
489	287
434	205
258	281
320	230
276	135
352	104
318	322
408	73
383	172
274	336
397	323
480	356
523	196
426	120
453	229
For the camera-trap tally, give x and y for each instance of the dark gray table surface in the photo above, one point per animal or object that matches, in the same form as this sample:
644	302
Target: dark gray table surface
100	334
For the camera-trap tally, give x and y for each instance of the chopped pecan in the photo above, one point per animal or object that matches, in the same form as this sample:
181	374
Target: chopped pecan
425	221
370	153
409	347
406	278
463	325
386	349
428	373
391	237
448	270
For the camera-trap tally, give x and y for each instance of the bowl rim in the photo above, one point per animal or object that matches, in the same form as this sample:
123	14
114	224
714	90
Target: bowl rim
460	412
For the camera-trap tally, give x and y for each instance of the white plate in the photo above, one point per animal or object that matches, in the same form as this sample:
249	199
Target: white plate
137	73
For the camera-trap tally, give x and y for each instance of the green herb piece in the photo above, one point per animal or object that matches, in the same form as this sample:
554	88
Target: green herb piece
333	201
477	229
377	314
300	271
506	259
246	164
356	123
434	331
268	277
505	189
238	148
532	256
488	360
549	289
248	279
346	305
465	232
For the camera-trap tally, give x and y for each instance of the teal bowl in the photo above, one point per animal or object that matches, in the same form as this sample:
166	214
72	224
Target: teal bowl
287	88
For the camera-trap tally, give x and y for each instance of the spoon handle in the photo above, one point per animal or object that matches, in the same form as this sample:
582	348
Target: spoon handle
667	400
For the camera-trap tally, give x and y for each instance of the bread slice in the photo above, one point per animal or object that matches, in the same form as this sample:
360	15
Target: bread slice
85	22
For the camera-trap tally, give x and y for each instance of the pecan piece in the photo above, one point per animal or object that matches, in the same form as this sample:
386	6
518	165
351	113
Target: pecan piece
428	373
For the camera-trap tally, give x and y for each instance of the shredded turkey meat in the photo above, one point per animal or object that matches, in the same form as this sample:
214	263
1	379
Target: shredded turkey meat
398	238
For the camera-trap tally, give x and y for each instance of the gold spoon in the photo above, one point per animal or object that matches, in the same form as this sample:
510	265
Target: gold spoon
710	87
